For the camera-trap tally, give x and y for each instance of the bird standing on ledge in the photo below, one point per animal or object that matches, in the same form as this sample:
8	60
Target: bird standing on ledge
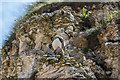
60	42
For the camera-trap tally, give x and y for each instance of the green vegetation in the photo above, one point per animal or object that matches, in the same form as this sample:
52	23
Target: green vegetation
115	11
111	16
85	19
85	14
34	14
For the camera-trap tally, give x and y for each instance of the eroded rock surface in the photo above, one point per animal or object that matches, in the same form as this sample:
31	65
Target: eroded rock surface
90	48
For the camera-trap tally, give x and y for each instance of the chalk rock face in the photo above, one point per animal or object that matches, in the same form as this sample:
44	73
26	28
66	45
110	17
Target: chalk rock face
88	49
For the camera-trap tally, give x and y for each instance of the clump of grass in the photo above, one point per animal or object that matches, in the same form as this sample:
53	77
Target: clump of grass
112	15
85	19
116	12
85	14
109	19
34	14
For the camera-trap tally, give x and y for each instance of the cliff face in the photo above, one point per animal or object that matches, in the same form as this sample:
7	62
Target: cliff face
90	49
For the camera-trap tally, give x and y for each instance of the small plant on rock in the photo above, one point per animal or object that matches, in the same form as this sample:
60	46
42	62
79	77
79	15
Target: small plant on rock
85	14
85	19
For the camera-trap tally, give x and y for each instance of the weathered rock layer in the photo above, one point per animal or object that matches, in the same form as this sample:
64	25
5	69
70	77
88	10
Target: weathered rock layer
90	45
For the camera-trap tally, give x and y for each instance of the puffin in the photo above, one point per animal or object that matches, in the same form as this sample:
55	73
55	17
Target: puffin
60	42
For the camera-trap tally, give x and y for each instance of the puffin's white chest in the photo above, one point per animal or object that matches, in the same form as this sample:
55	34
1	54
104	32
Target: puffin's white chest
56	44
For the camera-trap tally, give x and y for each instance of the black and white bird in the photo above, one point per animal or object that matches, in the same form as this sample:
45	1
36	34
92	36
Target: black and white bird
60	42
